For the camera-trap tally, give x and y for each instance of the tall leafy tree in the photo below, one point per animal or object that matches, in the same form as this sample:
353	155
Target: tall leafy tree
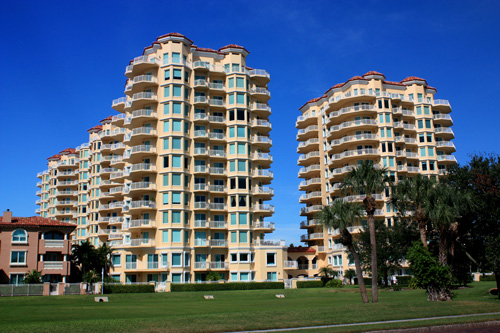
480	226
411	197
88	258
392	245
343	215
367	179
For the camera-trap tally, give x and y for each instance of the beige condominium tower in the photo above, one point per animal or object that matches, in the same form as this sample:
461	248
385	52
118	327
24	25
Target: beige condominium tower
398	125
176	182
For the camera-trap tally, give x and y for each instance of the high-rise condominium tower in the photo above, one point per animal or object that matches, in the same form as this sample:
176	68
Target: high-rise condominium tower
176	183
397	125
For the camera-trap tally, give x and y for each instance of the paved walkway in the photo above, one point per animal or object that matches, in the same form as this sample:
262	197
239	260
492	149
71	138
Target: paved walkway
388	322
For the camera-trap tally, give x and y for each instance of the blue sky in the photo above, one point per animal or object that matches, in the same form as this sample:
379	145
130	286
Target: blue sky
63	63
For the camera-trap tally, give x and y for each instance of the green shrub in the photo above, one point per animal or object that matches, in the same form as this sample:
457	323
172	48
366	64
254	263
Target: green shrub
128	288
487	277
334	283
309	284
403	279
227	286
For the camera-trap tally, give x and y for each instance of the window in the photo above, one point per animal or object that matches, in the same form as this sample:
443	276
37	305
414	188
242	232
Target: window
176	125
177	91
243	237
178	74
241	132
240	98
230	83
231	132
233	237
177	108
240	82
176	161
165	198
428	123
116	260
176	238
271	276
19	236
165	217
271	259
165	236
176	58
167	74
176	179
241	165
18	258
419	110
176	259
16	279
176	198
176	217
233	219
231	99
166	91
241	148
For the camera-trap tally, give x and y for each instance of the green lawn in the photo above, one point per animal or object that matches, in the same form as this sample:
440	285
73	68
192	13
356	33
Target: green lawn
235	310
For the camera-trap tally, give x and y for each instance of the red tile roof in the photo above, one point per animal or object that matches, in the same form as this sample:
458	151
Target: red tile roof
413	78
107	119
54	157
68	151
314	100
204	49
373	73
233	46
301	249
394	83
35	221
429	87
174	34
97	128
356	78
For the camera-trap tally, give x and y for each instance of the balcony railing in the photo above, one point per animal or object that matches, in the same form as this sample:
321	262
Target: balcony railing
53	265
218	242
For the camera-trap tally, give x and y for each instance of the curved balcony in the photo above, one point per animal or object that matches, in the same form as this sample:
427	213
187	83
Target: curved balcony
200	134
310	171
140	187
217	136
443	119
140	64
411	141
139	133
261	124
350	154
138	116
262	157
138	152
314	209
119	103
338	130
217	206
66	193
67	183
263	174
261	109
117	133
217	119
117	120
201	188
217	154
218	243
139	242
307	133
263	209
201	117
313	236
261	93
217	224
264	226
139	169
218	188
115	147
216	86
216	171
200	101
140	82
201	224
306	185
447	159
339	172
309	145
200	151
310	223
135	206
306	120
200	169
216	103
441	104
263	141
217	265
446	146
263	191
139	224
309	158
143	98
359	110
445	132
311	196
203	205
259	75
364	138
60	174
117	205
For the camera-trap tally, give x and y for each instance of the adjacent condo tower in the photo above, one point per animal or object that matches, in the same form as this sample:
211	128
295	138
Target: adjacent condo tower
176	183
398	125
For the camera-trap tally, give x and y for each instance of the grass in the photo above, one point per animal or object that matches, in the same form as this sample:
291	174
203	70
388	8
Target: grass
236	310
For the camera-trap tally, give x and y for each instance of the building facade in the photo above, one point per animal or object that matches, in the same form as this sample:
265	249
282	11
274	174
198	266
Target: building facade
177	181
397	125
28	243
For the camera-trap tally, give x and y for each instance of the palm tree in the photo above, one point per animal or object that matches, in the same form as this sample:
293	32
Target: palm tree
327	272
84	256
342	215
446	205
411	195
367	179
103	253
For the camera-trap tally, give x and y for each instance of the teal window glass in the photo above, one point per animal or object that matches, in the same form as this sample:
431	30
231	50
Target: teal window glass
165	198
231	149
241	166
240	82
176	217
231	99
177	109
231	132
241	132
176	198
176	161
176	237
177	91
165	143
232	166
234	237
166	126
241	148
165	217
166	91
230	83
176	179
233	219
240	98
243	218
422	152
430	151
176	125
243	236
164	235
176	143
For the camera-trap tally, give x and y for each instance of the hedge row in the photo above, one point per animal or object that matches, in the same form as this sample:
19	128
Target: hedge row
403	279
309	284
487	277
128	288
227	286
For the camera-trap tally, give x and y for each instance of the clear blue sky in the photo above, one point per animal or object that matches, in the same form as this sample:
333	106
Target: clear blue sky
63	63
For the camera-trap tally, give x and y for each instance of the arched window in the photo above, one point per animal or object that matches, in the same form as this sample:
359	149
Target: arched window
19	236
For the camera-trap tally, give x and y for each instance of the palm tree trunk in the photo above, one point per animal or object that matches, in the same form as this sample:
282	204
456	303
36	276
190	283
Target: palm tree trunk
359	273
373	245
422	224
497	278
443	253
